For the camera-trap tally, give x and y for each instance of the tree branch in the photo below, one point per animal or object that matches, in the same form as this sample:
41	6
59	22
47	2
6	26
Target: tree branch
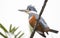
35	27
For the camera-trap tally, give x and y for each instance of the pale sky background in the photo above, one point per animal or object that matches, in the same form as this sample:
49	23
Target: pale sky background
9	14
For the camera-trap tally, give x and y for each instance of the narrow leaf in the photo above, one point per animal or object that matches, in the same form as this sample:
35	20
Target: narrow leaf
14	29
10	28
3	35
1	26
21	35
17	34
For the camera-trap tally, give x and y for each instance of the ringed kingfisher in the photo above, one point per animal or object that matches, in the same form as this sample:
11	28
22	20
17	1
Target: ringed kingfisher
42	25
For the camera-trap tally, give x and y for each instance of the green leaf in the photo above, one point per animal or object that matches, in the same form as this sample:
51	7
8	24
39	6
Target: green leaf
10	28
2	27
17	34
3	35
21	35
14	29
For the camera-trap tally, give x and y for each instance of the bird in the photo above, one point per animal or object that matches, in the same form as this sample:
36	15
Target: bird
33	17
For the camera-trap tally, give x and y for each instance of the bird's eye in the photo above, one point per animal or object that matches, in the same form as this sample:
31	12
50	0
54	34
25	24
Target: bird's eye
29	9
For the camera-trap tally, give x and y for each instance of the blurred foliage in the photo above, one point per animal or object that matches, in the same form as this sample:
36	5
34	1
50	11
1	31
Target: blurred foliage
11	31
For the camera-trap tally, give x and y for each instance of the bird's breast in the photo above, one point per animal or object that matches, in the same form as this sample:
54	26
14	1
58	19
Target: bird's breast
32	20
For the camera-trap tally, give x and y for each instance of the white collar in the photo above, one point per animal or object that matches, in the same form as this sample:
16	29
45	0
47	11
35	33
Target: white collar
32	12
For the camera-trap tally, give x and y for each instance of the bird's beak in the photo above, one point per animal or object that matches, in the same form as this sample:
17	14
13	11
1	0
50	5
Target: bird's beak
22	10
26	11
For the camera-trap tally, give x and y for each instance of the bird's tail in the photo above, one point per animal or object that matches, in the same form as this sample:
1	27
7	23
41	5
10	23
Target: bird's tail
41	33
54	31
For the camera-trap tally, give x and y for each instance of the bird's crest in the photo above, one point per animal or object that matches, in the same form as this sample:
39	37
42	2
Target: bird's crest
31	8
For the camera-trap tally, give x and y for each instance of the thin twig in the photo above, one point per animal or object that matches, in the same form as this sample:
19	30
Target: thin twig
35	27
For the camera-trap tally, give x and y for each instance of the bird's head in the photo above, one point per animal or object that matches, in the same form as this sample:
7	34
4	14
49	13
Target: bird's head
29	8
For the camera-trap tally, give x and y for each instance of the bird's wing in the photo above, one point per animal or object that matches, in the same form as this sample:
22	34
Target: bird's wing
42	21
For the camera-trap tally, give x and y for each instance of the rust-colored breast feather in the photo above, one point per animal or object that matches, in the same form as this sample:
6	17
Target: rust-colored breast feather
32	22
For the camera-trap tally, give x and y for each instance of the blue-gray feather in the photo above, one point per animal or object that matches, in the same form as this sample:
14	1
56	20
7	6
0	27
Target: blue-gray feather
31	8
